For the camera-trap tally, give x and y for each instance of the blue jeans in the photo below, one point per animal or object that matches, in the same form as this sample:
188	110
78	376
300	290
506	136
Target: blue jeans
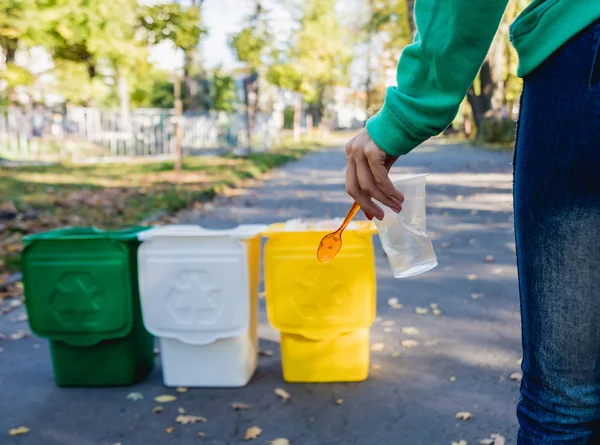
557	225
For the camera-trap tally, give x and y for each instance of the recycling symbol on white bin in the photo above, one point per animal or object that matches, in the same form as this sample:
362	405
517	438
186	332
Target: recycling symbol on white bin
194	298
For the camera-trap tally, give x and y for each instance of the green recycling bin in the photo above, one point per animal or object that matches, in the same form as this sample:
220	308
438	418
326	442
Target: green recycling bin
81	293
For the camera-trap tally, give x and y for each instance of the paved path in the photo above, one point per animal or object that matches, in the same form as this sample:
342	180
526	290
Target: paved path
462	363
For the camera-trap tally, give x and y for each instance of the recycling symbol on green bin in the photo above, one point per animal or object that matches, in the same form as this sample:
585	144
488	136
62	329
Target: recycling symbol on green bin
77	300
194	298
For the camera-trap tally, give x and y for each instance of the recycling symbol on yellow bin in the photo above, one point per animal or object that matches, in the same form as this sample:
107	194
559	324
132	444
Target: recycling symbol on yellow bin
321	293
77	300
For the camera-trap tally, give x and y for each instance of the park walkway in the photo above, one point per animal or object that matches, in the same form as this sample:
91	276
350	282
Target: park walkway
463	361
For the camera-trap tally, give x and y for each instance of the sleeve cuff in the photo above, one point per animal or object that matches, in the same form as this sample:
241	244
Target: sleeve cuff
390	133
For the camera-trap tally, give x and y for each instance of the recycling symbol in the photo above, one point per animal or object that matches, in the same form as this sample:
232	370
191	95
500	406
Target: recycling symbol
77	300
195	298
325	282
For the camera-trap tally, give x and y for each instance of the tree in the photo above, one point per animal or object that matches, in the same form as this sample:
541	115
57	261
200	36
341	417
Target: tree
250	46
180	25
386	30
321	53
223	91
496	87
16	27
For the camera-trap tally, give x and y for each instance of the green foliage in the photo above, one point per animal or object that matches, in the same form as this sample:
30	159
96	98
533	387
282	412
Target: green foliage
223	91
152	88
171	21
253	42
497	130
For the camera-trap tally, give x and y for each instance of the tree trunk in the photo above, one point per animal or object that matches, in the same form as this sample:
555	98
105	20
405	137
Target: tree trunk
410	13
9	48
490	100
124	100
178	128
297	117
251	99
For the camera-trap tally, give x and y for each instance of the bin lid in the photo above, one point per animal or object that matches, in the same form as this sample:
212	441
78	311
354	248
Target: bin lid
78	284
85	233
245	231
300	226
195	290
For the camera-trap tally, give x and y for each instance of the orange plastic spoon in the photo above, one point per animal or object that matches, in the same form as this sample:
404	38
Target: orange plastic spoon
331	244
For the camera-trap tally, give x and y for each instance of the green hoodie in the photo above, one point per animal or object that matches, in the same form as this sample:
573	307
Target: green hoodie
435	72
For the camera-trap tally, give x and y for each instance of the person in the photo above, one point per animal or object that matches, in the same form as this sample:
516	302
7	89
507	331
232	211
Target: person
556	183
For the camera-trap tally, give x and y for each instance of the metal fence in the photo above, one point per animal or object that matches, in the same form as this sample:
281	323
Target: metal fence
89	133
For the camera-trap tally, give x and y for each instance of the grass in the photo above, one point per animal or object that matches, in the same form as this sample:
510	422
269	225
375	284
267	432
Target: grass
113	196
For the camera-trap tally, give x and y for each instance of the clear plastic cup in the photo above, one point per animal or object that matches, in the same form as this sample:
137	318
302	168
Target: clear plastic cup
403	235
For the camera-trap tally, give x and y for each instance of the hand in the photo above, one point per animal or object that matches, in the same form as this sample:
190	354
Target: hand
367	176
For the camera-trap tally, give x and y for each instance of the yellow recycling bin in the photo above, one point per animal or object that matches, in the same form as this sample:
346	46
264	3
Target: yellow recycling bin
323	311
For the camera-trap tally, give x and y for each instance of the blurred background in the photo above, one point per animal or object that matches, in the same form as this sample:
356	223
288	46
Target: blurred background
116	113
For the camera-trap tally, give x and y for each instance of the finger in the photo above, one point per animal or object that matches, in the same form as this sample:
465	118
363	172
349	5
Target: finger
382	179
369	186
362	199
369	217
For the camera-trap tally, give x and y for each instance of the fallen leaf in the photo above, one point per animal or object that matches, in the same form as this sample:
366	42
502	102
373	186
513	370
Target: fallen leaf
376	367
433	305
472	277
409	343
265	353
339	401
396	354
19	335
377	347
20	318
495	439
166	398
19	431
135	396
516	376
181	390
498	271
181	410
388	323
462	442
453	379
489	259
437	312
394	303
460	198
464	415
476	296
421	310
157	410
253	433
200	434
410	330
239	406
279	442
187	419
285	396
169	430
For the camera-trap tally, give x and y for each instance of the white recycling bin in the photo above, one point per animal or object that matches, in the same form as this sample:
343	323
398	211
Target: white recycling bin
199	296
